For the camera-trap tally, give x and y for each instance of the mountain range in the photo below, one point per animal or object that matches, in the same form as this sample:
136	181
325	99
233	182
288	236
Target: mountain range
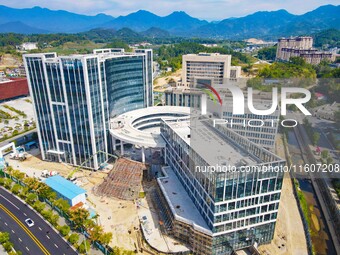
263	24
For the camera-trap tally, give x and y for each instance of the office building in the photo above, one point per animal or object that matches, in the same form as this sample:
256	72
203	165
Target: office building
214	211
264	135
301	47
75	96
210	68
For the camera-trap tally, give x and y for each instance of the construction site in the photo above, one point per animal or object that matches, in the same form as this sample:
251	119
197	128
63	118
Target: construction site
124	181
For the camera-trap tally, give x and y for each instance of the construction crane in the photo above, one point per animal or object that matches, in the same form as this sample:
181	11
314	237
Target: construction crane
82	164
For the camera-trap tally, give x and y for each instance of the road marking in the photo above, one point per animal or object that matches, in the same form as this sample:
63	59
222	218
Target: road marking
20	239
25	214
13	231
47	236
40	228
56	245
9	202
6	224
27	248
28	232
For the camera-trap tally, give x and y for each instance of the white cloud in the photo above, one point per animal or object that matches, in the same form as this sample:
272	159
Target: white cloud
206	9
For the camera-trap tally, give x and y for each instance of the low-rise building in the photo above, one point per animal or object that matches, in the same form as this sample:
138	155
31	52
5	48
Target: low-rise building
327	111
13	88
67	190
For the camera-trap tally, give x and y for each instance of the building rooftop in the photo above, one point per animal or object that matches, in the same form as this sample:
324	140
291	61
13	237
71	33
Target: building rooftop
215	148
179	201
64	187
141	127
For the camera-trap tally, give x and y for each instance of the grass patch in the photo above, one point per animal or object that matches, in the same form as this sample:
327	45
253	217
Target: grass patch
21	113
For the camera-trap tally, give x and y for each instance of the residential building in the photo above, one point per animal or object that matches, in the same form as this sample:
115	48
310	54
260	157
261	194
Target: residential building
301	47
208	207
75	96
210	68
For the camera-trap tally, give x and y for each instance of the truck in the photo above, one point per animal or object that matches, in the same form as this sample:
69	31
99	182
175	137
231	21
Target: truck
47	173
19	153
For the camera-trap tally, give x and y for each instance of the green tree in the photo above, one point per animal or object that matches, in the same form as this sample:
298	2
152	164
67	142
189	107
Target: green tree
16	189
95	233
62	204
8	183
315	138
267	53
39	206
31	198
8	246
79	217
64	230
73	238
106	238
4	237
84	247
324	154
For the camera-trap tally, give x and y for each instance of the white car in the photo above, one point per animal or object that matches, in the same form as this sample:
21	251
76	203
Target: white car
29	222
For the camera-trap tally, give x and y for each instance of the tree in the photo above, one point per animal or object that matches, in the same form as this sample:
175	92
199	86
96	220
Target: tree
4	237
2	181
329	160
96	233
18	175
62	204
84	246
267	53
8	183
324	154
39	206
64	230
31	198
106	238
54	219
315	138
78	217
24	192
8	246
16	189
73	238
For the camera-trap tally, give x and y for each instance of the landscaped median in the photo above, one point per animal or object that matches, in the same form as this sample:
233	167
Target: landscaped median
45	202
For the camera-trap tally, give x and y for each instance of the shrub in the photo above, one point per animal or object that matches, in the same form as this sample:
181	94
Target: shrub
8	246
64	230
73	238
84	246
16	189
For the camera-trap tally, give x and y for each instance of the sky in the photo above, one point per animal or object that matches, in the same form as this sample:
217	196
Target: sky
203	9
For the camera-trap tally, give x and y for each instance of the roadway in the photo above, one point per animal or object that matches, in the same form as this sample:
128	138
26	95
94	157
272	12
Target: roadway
39	239
21	138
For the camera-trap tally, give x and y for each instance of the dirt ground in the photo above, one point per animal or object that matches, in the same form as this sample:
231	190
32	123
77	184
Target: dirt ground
289	236
162	81
8	60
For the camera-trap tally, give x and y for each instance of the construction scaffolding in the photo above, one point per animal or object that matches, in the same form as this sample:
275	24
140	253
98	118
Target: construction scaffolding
124	181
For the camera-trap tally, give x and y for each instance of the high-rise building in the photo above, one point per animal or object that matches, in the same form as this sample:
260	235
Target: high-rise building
75	96
301	46
216	195
210	68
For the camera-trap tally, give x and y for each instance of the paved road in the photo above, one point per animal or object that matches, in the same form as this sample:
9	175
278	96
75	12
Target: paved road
40	239
19	138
